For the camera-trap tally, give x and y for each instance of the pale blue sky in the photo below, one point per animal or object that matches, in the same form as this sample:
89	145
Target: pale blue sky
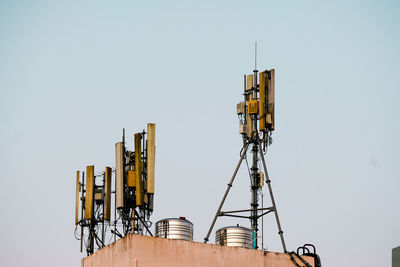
74	73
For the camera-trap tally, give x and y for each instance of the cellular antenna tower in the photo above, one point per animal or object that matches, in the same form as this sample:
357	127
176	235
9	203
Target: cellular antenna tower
257	122
133	194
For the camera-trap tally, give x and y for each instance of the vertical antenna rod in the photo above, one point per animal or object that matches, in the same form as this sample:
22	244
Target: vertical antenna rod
255	56
123	136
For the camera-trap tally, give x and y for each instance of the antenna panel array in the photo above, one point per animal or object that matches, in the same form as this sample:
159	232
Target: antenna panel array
259	102
133	189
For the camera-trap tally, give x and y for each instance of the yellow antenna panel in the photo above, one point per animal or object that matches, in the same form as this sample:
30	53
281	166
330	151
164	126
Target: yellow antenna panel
151	150
271	100
249	82
131	182
107	193
249	125
261	107
138	169
119	175
249	97
77	198
89	192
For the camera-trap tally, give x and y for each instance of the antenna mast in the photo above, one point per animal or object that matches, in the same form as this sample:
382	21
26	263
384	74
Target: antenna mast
133	194
257	121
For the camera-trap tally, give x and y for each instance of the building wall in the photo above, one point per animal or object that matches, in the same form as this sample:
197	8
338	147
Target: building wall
145	251
396	257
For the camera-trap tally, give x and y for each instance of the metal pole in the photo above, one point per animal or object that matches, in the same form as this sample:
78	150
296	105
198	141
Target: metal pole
262	220
115	209
227	191
132	216
104	199
268	181
91	237
255	84
92	221
254	169
237	211
244	90
83	188
254	191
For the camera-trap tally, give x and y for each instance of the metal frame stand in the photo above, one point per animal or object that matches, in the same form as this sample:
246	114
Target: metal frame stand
254	210
255	141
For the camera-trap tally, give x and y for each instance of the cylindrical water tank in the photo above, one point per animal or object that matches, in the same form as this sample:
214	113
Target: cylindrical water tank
175	228
234	236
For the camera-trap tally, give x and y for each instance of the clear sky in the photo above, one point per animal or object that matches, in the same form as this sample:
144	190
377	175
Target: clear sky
74	73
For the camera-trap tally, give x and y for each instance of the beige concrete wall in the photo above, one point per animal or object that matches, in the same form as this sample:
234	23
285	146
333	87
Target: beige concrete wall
145	251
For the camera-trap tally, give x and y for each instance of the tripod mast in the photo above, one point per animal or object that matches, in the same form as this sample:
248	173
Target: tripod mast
256	115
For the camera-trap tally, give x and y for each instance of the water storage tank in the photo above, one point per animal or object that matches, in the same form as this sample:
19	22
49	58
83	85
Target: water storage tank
234	236
175	228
